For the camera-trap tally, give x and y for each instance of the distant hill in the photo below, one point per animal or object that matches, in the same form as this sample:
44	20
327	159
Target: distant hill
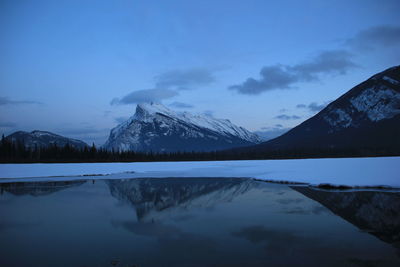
365	118
44	139
156	128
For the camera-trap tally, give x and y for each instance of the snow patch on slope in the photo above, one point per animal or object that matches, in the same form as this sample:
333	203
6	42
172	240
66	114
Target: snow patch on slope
338	118
378	104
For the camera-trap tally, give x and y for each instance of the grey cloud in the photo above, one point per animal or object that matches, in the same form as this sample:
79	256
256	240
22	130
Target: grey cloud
284	76
147	95
7	124
378	36
167	85
314	106
327	62
272	77
81	131
7	101
287	117
184	79
180	105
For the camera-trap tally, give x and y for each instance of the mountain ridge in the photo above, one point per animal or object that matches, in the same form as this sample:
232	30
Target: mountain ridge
156	128
365	117
39	138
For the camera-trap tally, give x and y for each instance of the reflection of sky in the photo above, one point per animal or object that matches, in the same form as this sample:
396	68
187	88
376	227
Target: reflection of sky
267	223
74	57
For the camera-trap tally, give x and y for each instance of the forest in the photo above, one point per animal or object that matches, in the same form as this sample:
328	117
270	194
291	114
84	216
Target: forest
17	152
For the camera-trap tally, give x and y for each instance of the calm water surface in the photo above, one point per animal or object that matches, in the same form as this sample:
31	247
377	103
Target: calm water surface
195	222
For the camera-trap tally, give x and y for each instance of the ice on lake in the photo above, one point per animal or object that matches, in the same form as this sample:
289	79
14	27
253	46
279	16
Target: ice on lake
382	171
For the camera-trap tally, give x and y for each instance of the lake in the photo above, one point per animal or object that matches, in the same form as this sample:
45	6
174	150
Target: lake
195	222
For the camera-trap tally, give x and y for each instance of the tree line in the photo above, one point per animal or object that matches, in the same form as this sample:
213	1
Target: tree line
17	152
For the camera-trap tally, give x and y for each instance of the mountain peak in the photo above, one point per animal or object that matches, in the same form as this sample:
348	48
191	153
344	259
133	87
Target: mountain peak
146	110
155	127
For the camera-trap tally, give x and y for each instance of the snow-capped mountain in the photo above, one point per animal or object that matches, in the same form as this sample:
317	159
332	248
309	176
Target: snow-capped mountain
366	117
156	128
44	139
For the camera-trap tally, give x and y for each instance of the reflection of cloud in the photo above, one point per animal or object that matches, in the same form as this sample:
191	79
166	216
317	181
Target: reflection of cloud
147	229
305	211
275	240
12	225
172	242
285	201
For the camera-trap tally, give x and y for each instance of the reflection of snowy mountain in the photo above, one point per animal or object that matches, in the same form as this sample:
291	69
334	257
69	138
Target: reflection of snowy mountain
37	188
375	212
157	195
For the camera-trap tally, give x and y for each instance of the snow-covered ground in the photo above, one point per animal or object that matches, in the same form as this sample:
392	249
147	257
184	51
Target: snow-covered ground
382	171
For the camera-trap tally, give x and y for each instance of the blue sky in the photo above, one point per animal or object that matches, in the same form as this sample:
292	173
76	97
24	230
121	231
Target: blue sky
78	67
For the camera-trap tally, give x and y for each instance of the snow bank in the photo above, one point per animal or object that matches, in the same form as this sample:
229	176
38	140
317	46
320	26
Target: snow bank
383	171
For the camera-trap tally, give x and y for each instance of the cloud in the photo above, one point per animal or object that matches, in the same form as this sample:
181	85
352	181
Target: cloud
7	101
378	36
314	106
272	77
278	77
147	95
168	85
82	131
180	105
327	62
7	124
184	79
287	117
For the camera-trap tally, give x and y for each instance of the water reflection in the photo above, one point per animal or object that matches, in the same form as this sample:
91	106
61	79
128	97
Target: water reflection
377	213
157	195
38	188
194	222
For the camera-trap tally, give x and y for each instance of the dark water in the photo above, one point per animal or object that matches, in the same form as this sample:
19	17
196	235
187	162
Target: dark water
195	222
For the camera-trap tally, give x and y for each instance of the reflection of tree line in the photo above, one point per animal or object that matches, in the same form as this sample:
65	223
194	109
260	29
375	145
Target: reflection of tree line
374	212
38	188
